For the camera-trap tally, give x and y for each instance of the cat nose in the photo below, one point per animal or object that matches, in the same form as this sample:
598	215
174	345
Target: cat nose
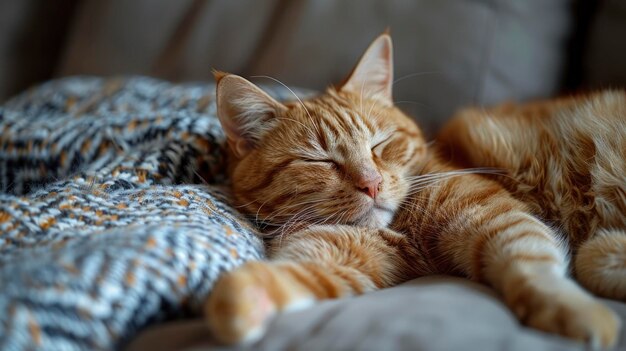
369	183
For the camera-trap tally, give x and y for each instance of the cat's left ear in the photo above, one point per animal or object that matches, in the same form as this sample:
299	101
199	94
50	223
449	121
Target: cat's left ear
373	75
246	112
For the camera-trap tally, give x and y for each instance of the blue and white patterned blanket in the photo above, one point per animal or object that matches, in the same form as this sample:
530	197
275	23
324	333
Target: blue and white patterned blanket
112	216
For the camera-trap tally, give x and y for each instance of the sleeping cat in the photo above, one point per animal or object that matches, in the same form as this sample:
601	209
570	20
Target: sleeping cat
353	199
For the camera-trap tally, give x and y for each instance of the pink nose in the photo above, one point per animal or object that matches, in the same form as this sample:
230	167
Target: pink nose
369	183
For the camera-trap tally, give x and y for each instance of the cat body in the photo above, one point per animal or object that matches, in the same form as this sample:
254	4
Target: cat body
354	199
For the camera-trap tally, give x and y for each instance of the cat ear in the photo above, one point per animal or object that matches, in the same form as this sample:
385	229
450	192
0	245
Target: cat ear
245	111
373	75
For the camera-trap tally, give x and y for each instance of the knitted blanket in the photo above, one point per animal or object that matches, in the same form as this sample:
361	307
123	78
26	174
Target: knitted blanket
113	215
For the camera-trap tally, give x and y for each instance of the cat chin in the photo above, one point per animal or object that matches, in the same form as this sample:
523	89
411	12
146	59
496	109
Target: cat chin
379	218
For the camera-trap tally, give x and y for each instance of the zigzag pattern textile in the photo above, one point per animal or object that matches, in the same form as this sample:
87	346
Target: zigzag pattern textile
114	214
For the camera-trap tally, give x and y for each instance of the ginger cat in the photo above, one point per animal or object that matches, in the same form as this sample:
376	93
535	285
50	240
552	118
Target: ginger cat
354	199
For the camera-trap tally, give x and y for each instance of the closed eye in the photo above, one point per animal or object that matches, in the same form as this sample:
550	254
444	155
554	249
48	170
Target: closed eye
381	143
319	160
323	160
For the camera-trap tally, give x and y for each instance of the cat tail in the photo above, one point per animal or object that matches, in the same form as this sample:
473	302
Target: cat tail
601	264
319	263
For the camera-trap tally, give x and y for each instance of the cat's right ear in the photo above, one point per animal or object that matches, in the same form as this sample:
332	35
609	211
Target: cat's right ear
245	111
373	75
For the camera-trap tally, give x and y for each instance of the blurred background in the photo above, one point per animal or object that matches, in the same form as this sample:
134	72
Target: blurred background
448	53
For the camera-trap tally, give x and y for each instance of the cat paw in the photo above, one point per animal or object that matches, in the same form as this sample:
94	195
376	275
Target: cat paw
244	301
239	306
566	310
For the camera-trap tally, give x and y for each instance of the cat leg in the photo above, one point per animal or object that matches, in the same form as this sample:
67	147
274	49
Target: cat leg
524	261
601	264
475	228
318	263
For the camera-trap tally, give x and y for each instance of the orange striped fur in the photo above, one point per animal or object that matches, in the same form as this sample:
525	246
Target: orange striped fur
353	199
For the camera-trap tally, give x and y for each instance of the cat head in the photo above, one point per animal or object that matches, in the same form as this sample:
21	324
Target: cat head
342	157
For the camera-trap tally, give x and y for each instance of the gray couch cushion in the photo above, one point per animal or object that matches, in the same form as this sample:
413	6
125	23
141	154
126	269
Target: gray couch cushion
449	53
431	313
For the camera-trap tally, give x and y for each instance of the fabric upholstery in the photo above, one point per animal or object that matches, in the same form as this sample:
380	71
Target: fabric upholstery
448	53
431	313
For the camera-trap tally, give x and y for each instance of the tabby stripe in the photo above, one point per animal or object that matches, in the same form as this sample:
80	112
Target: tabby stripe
397	155
303	278
331	289
330	106
331	127
369	125
359	121
321	137
270	176
284	199
491	232
430	240
352	118
347	128
338	117
347	276
277	288
530	257
526	234
377	280
407	132
413	153
343	102
483	238
485	195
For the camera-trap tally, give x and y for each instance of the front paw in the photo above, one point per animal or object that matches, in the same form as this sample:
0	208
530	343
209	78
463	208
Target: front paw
561	307
243	301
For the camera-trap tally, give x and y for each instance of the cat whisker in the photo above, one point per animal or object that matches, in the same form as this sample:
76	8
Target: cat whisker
284	220
442	175
336	217
279	213
411	102
481	170
286	208
412	209
301	213
256	218
342	216
282	227
361	98
299	218
425	184
245	205
426	181
294	94
370	111
414	75
307	128
201	177
430	186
